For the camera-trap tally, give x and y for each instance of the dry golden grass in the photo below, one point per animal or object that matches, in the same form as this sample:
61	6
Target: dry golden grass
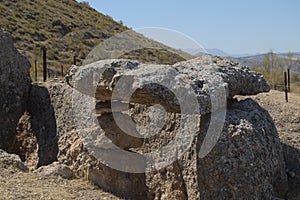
20	185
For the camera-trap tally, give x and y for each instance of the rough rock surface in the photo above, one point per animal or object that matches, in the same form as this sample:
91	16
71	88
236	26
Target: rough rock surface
43	124
240	79
73	153
248	153
248	145
246	163
12	162
26	143
56	169
14	87
36	141
286	117
205	76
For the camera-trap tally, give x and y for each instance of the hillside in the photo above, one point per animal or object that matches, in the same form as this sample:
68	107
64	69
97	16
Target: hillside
65	28
259	59
273	65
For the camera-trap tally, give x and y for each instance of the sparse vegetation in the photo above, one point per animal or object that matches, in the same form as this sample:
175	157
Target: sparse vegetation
148	55
273	68
65	27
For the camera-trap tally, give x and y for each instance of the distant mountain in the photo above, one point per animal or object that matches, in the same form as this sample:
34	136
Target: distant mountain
219	52
250	60
258	60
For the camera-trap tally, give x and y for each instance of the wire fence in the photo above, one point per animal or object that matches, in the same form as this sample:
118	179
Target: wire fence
49	72
43	69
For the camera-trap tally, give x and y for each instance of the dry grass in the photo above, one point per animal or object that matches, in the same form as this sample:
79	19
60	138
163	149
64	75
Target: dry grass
20	185
65	27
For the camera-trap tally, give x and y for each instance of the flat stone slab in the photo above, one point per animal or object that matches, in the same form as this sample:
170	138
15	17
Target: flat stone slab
197	86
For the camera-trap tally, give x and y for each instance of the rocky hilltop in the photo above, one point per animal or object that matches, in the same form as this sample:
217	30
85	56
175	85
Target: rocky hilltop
55	136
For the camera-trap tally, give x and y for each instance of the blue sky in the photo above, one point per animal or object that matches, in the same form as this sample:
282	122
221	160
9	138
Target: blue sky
235	26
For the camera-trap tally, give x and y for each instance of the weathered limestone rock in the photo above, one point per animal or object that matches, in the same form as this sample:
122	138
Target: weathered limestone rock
167	183
248	153
14	88
246	162
204	75
240	79
36	141
73	153
11	161
56	169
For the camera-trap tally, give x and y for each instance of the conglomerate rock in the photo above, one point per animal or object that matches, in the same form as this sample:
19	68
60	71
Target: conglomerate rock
246	158
203	79
56	169
245	163
11	161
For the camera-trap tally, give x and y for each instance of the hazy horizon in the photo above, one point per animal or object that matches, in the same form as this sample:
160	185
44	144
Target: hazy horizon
235	27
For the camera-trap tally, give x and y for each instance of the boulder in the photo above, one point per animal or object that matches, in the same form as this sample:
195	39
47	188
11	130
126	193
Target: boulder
205	76
12	162
248	153
246	161
56	169
14	89
74	153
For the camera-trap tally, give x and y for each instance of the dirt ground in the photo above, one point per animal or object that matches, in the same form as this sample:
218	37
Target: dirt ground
20	185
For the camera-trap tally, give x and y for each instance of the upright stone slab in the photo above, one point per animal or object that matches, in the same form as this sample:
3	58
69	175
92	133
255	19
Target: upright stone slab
14	88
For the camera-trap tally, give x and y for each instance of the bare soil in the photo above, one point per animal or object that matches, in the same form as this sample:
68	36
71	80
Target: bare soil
22	185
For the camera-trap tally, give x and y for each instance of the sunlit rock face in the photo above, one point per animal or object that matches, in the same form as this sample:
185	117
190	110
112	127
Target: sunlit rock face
246	157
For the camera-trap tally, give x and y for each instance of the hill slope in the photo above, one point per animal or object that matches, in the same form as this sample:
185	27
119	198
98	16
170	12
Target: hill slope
64	27
273	66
